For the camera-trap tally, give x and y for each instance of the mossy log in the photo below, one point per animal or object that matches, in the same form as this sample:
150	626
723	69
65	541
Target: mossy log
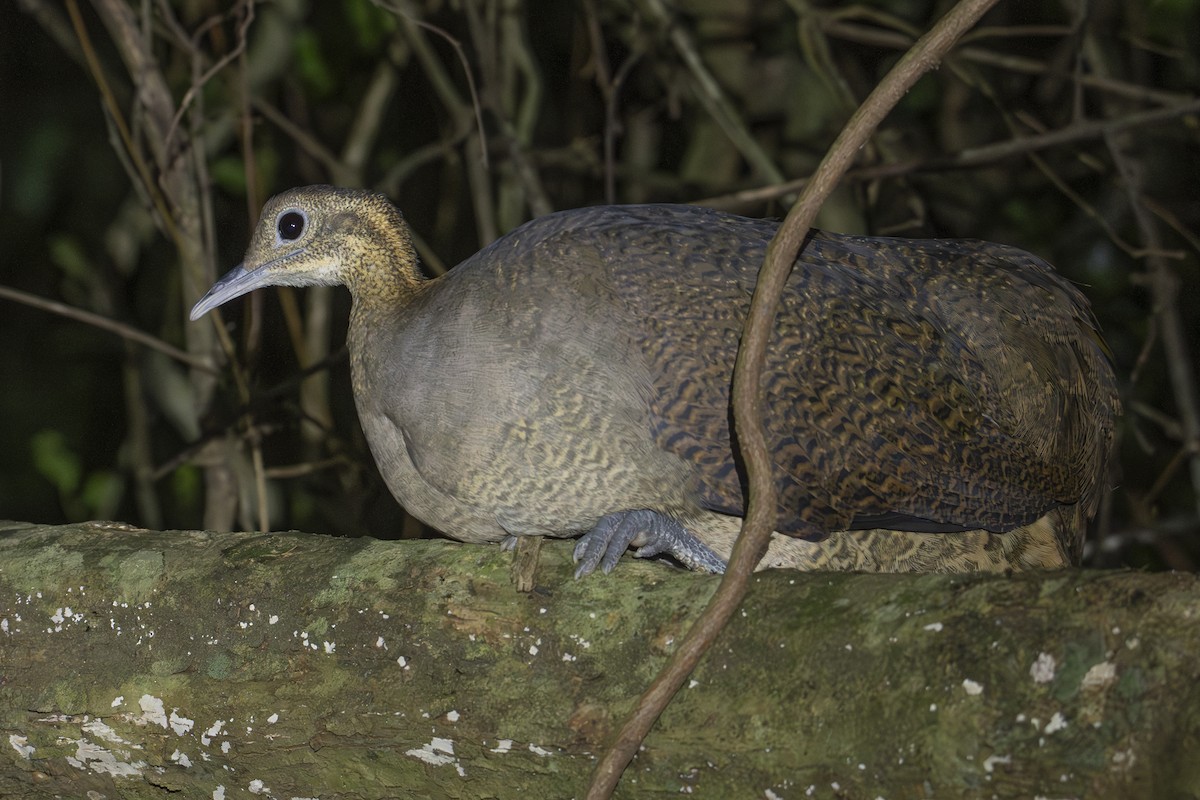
138	664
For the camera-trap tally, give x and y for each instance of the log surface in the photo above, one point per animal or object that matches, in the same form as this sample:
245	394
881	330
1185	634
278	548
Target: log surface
141	664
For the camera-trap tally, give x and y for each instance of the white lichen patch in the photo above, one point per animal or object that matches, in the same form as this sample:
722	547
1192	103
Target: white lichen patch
452	716
304	641
153	711
1100	676
1124	759
540	751
257	787
91	756
97	727
934	627
180	725
271	720
62	617
213	730
503	746
1042	670
989	763
118	701
21	745
439	752
330	647
971	687
1057	723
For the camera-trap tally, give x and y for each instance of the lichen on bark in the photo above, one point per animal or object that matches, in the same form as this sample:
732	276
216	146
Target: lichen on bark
138	663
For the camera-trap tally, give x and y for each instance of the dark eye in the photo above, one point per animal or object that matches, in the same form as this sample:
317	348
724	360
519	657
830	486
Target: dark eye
290	226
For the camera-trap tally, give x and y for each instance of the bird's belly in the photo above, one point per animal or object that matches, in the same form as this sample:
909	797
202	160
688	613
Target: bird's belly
424	500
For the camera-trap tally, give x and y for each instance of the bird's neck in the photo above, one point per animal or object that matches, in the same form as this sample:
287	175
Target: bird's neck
384	279
384	275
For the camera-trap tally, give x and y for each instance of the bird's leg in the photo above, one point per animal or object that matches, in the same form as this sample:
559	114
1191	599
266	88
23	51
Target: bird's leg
525	560
651	533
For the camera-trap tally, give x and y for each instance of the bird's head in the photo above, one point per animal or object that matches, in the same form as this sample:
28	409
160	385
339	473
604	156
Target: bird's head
319	236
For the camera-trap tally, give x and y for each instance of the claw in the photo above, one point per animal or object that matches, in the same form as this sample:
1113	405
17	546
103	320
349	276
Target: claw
603	545
656	534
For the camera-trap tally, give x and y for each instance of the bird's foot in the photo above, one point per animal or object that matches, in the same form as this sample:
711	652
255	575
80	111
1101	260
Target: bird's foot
651	533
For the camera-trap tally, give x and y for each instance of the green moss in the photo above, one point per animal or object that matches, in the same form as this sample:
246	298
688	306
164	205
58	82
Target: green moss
135	574
168	666
218	666
35	570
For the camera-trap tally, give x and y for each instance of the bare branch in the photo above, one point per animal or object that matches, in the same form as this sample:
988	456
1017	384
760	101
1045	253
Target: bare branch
127	332
712	97
974	156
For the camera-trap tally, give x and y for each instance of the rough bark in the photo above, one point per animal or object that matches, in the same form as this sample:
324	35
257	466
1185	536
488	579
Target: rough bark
139	663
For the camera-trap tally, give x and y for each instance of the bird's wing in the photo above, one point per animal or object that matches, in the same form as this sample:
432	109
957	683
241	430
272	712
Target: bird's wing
880	402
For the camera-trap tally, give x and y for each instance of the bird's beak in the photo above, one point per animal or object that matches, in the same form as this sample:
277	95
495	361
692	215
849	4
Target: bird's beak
235	283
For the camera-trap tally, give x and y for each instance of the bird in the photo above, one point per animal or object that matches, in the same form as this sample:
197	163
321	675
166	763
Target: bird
930	405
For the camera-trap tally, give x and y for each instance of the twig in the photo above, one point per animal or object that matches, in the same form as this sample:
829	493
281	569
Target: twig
711	96
610	89
111	325
139	441
260	481
1076	131
863	34
304	468
47	15
199	82
368	119
433	68
973	156
392	180
132	55
307	142
1164	284
519	125
747	386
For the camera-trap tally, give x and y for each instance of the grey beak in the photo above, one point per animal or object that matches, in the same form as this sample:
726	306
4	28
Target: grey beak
235	283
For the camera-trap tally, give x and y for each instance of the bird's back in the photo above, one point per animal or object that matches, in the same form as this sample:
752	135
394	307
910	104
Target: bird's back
922	385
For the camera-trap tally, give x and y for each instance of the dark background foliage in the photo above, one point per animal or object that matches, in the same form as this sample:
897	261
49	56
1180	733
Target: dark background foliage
1067	128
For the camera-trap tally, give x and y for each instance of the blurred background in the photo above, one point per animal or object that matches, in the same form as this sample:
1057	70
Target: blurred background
139	141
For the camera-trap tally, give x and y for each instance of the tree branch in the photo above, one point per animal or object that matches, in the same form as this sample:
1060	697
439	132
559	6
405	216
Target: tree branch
127	332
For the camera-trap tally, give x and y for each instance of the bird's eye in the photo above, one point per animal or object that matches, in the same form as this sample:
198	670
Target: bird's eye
290	226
